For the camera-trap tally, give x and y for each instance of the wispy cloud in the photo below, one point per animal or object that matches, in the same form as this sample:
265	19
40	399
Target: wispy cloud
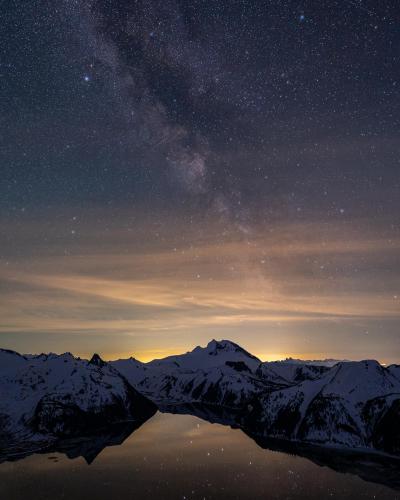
238	283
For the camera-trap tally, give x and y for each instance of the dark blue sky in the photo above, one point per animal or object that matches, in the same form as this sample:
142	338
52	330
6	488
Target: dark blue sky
211	122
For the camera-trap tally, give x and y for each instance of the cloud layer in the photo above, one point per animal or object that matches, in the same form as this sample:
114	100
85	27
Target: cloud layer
285	279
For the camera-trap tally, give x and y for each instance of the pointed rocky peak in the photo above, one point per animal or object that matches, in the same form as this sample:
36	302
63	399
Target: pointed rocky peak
96	360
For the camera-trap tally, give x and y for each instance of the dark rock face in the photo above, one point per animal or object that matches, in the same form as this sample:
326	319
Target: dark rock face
96	360
239	366
327	418
386	432
139	406
61	417
309	372
287	421
198	390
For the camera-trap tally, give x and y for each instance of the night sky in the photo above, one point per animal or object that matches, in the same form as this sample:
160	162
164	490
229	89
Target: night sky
177	171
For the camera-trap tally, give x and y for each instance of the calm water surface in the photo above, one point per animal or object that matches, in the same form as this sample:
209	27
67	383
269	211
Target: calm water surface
182	457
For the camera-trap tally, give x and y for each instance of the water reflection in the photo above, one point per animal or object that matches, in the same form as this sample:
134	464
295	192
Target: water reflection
183	456
88	447
374	467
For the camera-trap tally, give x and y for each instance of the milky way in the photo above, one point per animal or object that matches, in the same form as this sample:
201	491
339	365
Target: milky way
241	159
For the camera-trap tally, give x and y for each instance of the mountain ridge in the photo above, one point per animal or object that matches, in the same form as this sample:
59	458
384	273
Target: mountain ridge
354	404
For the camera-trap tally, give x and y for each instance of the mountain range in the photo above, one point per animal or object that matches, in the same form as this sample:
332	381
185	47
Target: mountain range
350	404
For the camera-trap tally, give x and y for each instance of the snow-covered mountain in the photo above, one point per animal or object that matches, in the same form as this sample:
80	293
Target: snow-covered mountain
60	395
215	354
222	373
325	402
353	404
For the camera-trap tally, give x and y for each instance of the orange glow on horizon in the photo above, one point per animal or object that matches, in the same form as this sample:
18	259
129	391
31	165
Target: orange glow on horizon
285	293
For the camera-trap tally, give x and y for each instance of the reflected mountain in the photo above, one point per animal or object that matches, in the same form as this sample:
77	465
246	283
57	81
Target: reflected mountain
370	466
373	467
87	446
61	403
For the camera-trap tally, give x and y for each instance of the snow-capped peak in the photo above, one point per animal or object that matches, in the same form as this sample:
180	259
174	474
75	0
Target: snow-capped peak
215	346
351	403
215	354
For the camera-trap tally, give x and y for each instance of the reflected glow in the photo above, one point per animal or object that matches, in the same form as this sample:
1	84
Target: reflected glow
180	456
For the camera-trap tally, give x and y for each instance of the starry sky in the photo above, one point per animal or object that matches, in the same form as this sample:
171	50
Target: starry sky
176	171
